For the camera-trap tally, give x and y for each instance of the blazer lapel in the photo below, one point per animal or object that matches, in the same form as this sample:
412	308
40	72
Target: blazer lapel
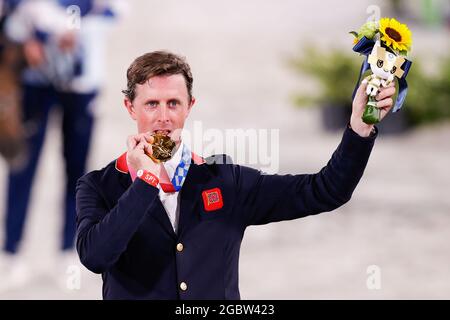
197	177
159	213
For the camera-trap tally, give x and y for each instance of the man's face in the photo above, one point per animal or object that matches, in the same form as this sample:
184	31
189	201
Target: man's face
161	105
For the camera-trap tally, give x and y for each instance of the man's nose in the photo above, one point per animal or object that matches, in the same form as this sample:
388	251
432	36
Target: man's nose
163	114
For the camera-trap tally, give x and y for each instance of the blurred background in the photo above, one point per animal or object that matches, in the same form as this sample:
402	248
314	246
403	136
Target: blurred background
285	65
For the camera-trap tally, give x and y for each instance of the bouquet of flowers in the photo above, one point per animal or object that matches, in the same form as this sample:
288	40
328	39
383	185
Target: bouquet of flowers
386	44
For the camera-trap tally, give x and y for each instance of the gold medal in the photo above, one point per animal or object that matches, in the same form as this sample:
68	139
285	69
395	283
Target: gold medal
162	148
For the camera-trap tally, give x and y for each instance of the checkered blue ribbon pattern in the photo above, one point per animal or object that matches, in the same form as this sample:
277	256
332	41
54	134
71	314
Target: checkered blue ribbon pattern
182	169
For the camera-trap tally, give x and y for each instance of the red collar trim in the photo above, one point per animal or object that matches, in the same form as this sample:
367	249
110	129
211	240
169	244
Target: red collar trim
122	165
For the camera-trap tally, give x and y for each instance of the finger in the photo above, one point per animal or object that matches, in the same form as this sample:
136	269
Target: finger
361	96
360	99
365	80
145	137
385	103
391	84
141	145
131	142
148	149
149	138
362	88
138	138
385	93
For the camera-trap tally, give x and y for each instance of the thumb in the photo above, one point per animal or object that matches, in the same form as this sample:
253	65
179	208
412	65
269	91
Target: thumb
363	86
148	149
360	100
361	92
140	146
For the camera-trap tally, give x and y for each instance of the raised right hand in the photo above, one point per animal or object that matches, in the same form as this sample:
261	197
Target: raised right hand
139	146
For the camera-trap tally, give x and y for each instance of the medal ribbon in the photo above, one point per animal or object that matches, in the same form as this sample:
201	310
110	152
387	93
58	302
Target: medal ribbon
180	173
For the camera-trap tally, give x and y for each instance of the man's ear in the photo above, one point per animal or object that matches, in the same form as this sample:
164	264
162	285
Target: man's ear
191	104
130	108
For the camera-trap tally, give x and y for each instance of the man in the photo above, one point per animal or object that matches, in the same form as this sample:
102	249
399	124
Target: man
151	238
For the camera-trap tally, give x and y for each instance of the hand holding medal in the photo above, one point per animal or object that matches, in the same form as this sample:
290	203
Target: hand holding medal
140	153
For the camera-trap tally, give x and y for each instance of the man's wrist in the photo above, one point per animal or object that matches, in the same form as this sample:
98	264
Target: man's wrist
359	127
148	177
365	132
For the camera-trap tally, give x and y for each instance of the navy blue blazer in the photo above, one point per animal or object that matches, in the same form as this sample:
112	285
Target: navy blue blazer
124	233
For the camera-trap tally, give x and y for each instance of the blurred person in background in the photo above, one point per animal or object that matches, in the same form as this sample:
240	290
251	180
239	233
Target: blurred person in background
173	230
63	44
11	64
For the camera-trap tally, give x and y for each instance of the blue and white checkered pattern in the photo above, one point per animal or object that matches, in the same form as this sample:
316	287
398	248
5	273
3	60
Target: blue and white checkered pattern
182	169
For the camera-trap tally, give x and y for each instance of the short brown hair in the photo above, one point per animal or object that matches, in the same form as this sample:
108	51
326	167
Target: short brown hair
157	63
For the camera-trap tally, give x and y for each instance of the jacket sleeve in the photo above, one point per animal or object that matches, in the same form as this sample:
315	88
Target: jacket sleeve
102	234
269	198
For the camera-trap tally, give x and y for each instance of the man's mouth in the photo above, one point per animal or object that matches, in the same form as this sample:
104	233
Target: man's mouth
163	132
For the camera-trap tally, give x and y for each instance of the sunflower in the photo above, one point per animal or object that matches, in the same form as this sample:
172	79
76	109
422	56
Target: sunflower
395	34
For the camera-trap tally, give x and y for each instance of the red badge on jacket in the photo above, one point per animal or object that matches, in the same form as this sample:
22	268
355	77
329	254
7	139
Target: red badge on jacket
212	199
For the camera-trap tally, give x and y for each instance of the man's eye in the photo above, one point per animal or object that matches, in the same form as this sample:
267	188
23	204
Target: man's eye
380	63
394	68
152	104
173	103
